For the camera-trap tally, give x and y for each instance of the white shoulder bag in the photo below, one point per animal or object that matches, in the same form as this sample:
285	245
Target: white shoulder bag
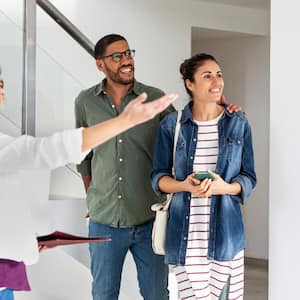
159	231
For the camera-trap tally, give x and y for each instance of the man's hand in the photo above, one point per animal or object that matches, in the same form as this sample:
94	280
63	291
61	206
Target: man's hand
231	107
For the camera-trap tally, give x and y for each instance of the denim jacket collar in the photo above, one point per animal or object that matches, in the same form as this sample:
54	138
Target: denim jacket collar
187	112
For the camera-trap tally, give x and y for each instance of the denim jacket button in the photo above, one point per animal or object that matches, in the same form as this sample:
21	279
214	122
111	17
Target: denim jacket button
194	140
185	238
187	217
238	141
191	157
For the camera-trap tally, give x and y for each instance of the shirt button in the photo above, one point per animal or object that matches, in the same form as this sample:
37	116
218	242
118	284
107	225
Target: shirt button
120	178
120	141
119	196
113	106
120	159
238	141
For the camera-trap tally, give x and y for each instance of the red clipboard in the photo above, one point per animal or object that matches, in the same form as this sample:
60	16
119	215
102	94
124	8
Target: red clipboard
59	238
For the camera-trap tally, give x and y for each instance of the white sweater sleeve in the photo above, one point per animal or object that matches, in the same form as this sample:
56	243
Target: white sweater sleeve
29	153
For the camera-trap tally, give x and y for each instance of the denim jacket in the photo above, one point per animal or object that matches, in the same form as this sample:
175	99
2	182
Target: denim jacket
235	163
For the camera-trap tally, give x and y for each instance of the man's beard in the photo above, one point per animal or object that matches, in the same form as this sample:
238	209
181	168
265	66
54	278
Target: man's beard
115	77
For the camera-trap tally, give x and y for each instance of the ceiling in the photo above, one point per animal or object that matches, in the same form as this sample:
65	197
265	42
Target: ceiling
208	34
259	4
212	34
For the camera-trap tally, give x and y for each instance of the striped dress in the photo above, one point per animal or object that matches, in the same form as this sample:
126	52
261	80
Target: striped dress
201	278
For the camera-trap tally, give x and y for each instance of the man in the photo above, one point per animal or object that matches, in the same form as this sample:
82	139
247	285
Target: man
116	177
25	156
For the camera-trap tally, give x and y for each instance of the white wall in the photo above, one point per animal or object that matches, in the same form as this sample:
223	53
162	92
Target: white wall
284	147
158	30
11	63
245	63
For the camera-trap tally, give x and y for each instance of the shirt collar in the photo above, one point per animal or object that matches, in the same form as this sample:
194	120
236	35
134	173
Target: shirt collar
136	89
187	112
99	88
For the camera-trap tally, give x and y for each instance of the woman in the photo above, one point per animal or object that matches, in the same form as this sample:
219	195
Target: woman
24	159
205	236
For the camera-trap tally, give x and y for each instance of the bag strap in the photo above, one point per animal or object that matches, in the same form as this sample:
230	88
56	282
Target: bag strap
176	134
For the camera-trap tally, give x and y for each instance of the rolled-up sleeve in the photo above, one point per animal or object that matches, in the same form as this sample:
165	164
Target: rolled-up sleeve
247	176
84	168
163	156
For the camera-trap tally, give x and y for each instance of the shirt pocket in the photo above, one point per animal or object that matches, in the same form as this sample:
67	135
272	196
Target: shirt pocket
180	158
234	148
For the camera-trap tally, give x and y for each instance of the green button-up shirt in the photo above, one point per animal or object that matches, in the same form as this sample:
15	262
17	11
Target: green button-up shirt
120	193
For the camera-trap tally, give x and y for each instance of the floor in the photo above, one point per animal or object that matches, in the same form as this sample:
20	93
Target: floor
60	285
256	280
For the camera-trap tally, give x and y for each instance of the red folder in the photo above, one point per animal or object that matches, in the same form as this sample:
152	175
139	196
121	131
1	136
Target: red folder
59	238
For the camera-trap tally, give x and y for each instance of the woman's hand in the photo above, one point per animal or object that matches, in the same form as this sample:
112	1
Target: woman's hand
138	111
220	187
196	187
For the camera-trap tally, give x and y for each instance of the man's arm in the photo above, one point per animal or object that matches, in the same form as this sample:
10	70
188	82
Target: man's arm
86	181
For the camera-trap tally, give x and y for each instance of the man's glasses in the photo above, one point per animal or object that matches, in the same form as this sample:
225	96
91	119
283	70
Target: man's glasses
117	56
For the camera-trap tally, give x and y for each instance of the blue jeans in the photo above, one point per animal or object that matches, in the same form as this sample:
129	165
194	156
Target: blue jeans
107	261
7	294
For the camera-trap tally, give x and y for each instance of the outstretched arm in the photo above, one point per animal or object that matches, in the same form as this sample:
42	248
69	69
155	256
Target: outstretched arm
135	112
70	146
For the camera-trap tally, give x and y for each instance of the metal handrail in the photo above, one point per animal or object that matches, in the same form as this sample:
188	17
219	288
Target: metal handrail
67	25
29	69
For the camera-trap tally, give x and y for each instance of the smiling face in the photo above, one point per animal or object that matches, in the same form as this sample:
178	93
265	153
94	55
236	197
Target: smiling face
208	83
120	72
